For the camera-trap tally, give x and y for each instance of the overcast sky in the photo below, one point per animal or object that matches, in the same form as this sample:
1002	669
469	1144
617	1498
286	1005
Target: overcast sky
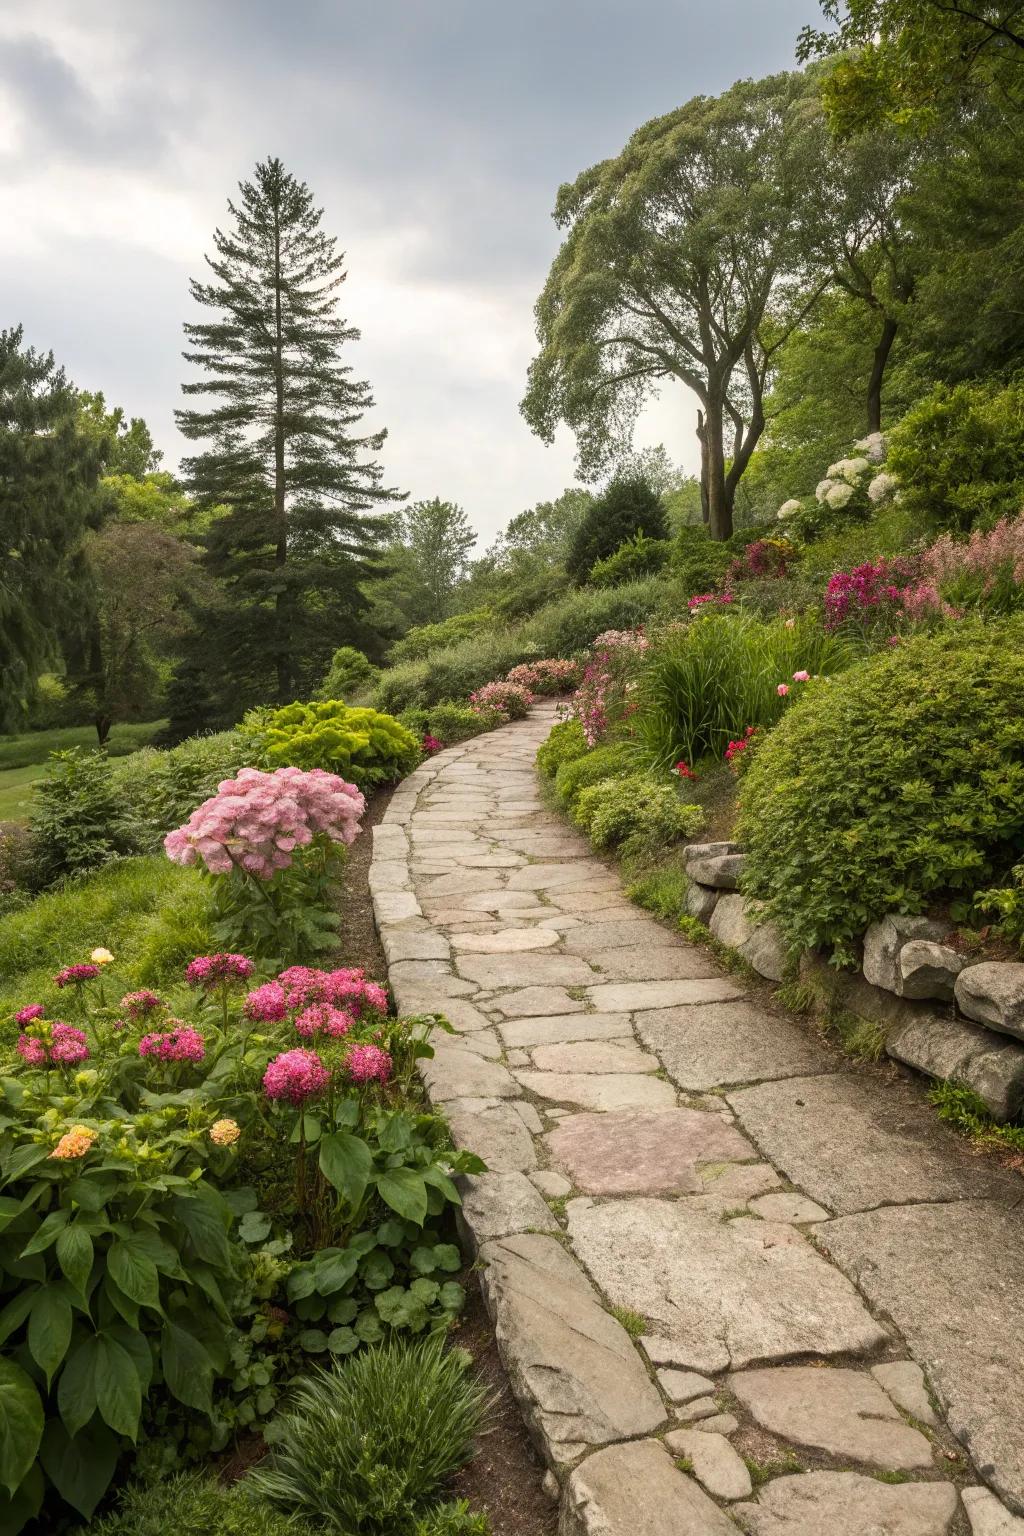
434	133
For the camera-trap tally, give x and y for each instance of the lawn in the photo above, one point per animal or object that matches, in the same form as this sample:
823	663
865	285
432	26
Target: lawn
36	746
15	788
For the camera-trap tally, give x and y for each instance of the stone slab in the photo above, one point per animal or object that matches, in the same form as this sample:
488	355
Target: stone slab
848	1504
950	1277
563	1028
844	1413
631	1489
573	1368
500	1204
525	970
683	962
733	1293
903	1381
553	1186
726	1043
533	1002
644	1152
599	1090
494	1131
594	1056
991	1064
987	1515
683	1386
852	1144
716	1465
461	1074
598	938
618	997
508	941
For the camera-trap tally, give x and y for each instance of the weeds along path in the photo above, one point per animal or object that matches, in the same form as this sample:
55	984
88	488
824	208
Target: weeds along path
735	1284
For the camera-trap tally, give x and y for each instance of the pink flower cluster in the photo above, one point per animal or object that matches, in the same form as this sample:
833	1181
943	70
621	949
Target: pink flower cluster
621	640
763	559
686	772
735	749
137	1004
430	745
295	1076
551	676
26	1015
74	975
324	1019
179	1044
211	971
591	701
300	987
506	700
985	556
257	820
708	599
67	1047
856	594
367	1064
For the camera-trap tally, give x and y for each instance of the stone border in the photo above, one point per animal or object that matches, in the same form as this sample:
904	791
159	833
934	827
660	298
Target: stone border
907	969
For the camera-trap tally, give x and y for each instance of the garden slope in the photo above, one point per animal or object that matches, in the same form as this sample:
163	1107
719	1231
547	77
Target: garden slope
662	1145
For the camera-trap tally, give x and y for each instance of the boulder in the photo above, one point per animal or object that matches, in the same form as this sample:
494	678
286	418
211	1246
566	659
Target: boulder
720	870
993	994
950	1049
730	923
929	970
637	1487
735	923
884	940
700	901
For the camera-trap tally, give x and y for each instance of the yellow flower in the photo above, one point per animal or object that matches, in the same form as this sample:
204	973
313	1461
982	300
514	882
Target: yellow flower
101	957
74	1143
224	1133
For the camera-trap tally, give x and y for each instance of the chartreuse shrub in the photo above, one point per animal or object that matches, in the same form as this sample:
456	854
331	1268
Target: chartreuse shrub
580	773
195	1506
360	744
350	671
367	1446
635	812
565	743
447	722
897	784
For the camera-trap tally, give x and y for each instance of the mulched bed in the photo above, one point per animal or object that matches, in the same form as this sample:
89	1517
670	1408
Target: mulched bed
358	938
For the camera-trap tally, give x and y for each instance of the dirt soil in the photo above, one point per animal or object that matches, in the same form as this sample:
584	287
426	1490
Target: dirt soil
358	938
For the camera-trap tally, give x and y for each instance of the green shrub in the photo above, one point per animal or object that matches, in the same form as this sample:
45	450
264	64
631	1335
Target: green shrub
367	1444
422	640
959	455
194	1506
630	505
573	623
453	1520
639	556
525	594
636	811
78	819
565	743
698	562
453	673
579	773
898	783
162	788
350	672
449	722
704	684
359	744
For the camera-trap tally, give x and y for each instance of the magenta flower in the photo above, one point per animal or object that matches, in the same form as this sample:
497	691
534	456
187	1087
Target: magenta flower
68	1045
74	975
324	1019
266	1004
367	1064
137	1004
782	690
180	1044
32	1050
295	1076
210	971
26	1015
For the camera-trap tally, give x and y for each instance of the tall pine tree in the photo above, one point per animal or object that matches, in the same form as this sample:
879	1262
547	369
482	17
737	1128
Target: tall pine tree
282	450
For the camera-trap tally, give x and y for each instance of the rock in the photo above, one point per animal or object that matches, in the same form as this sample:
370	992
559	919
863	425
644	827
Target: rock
730	1293
694	852
394	906
927	969
388	875
844	1413
525	970
553	1186
728	1042
683	962
595	1056
578	873
401	943
698	1408
721	871
884	940
949	1276
530	1002
482	1042
518	1059
529	1116
633	932
990	1064
993	993
499	1204
628	1489
565	1027
730	923
904	1381
720	1424
574	1371
786	1207
550	1486
508	941
847	1503
766	952
620	997
683	1386
644	1152
987	1515
851	1146
663	1351
459	1074
700	901
491	901
722	1470
737	1182
494	1131
596	1090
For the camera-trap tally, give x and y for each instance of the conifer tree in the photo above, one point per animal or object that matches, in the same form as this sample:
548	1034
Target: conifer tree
282	449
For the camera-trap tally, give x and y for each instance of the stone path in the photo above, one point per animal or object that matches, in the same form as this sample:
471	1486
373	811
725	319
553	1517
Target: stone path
736	1284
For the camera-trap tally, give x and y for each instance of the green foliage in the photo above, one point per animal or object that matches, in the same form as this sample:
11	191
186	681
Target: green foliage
350	672
635	811
704	684
420	641
698	562
630	506
359	744
78	819
162	789
448	722
451	673
453	1520
579	773
963	1109
1007	904
565	743
36	746
367	1444
194	1506
959	455
637	557
571	624
435	538
899	783
662	890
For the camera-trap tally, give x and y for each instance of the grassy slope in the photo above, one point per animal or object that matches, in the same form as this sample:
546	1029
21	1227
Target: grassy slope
36	746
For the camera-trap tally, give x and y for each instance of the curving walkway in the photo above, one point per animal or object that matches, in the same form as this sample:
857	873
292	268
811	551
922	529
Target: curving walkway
708	1245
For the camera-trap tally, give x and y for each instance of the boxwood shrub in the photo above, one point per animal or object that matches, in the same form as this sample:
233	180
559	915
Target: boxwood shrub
579	773
896	785
635	812
565	743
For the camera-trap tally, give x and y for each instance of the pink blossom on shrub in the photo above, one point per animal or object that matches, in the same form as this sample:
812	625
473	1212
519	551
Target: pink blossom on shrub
68	1045
507	700
74	975
325	1019
26	1015
267	1004
856	593
210	971
179	1044
430	745
621	640
782	690
137	1004
257	820
550	676
32	1050
295	1076
801	677
686	772
987	556
704	599
368	1063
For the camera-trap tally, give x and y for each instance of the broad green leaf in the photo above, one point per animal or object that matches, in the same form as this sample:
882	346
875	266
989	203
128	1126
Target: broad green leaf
313	1341
452	1297
75	1255
138	1346
49	1329
343	1310
342	1341
16	1311
134	1272
21	1424
376	1270
301	1282
422	1261
122	1304
76	1387
404	1190
426	1290
118	1389
439	1180
254	1227
367	1326
391	1233
346	1162
395	1132
448	1257
243	1200
22	1159
80	1468
187	1367
334	1271
205	1217
401	1308
23	1506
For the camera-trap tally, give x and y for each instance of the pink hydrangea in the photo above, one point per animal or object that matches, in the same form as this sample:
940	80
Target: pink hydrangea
137	1004
179	1044
74	975
368	1063
782	690
26	1015
210	971
256	821
295	1076
266	1004
324	1019
801	677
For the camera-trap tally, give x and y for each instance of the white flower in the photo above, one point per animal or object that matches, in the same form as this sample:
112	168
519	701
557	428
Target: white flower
873	447
839	495
881	487
101	957
789	508
848	469
822	489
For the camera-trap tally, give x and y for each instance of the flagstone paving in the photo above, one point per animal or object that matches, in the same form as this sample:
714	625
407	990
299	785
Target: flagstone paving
709	1247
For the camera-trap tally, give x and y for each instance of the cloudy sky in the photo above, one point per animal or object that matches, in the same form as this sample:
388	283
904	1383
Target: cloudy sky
434	133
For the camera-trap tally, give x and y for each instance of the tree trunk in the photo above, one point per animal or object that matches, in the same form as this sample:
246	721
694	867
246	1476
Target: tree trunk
878	362
702	438
102	724
281	604
719	498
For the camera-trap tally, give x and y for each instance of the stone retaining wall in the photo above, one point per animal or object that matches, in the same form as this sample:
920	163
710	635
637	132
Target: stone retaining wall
943	1014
